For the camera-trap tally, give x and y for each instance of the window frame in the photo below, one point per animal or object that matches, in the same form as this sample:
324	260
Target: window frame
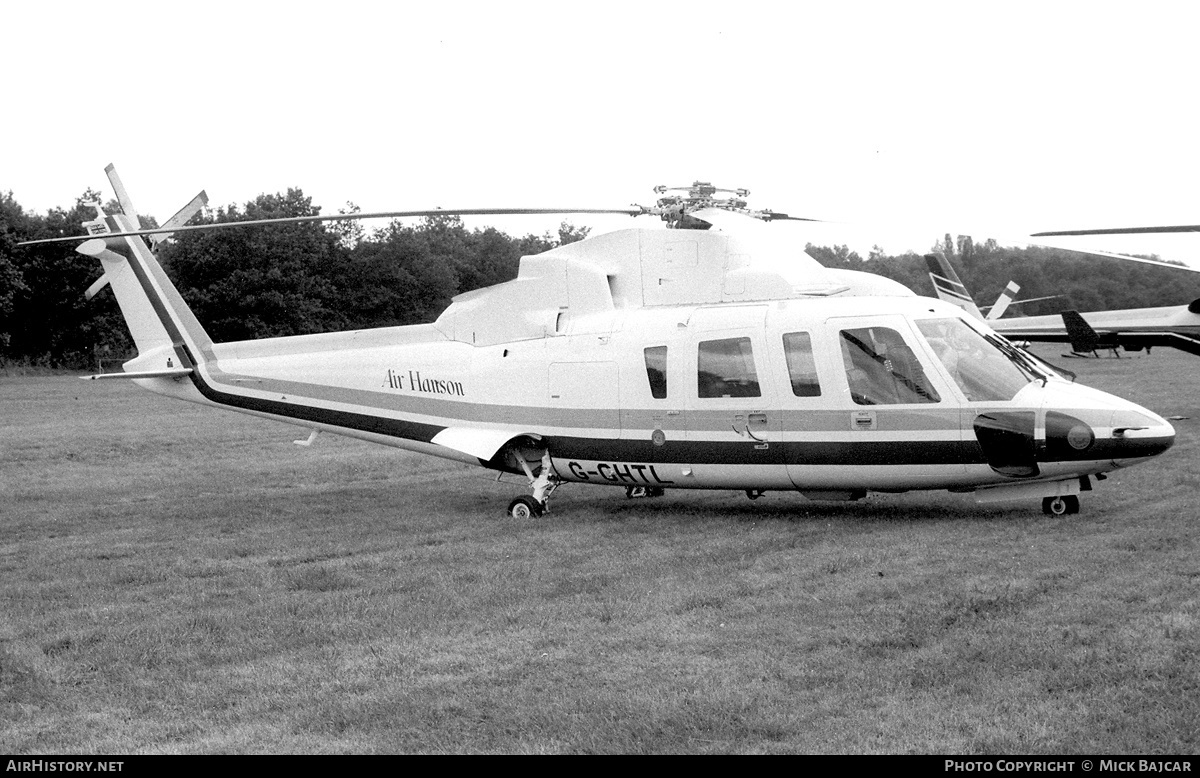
872	371
813	371
747	382
662	370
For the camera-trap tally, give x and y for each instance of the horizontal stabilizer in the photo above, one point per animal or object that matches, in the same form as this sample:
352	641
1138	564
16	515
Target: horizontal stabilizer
95	288
174	372
181	217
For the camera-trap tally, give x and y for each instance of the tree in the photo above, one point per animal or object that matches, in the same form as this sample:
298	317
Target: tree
835	256
494	258
349	232
51	321
14	227
261	281
396	278
569	233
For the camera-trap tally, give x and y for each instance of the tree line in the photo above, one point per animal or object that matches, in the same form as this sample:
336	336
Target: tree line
293	279
250	282
1071	280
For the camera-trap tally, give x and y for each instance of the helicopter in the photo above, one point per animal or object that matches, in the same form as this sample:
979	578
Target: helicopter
707	355
1173	326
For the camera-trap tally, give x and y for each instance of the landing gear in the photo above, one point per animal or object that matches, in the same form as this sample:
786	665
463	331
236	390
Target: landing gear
525	508
644	491
754	494
1060	506
543	483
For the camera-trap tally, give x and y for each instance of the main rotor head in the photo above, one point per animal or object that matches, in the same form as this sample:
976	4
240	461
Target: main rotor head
676	209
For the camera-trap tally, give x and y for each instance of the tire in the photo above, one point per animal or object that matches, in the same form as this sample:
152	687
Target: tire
524	509
1060	506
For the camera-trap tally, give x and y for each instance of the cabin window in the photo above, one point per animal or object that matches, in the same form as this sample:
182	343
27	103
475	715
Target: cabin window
979	368
802	368
882	370
656	371
726	369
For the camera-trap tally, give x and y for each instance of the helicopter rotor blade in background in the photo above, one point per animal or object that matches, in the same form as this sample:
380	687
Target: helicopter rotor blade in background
1120	231
1163	230
1092	252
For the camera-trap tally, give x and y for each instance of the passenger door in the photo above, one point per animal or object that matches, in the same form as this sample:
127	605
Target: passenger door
900	421
733	417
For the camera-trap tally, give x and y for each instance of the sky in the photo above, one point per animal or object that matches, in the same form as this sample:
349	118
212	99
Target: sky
899	122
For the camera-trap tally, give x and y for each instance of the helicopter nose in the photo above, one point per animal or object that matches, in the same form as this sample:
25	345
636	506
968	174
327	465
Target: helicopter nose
1084	424
1138	434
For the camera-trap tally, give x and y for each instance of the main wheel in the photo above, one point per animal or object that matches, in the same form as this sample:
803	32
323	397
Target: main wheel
525	508
1060	506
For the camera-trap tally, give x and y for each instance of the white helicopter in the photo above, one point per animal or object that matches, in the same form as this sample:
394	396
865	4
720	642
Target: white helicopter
655	359
1173	326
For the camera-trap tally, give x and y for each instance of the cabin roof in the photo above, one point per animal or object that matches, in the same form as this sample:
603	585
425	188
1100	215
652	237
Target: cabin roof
643	268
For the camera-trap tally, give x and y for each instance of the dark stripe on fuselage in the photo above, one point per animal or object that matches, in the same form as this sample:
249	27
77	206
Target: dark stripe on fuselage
397	428
848	453
1110	448
700	452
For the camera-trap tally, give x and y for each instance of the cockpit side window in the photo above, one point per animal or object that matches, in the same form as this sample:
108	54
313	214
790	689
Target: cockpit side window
980	369
802	368
726	369
882	370
656	371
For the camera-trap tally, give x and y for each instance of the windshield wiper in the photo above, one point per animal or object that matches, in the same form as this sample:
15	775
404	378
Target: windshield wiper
1018	357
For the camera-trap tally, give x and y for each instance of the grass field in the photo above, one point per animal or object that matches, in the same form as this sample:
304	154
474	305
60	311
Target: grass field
178	580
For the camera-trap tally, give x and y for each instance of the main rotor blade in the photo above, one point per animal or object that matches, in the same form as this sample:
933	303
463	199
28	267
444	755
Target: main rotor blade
1121	231
1060	246
774	216
345	217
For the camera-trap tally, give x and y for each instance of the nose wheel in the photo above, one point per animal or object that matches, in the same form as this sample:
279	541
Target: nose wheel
1060	506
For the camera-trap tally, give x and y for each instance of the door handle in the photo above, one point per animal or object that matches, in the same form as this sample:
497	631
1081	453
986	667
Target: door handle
756	419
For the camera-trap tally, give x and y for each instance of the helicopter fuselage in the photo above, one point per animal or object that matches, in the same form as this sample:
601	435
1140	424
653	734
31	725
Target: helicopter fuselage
665	359
778	395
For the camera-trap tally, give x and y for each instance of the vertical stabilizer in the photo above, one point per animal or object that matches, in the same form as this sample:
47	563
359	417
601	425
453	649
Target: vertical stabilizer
948	287
1003	301
159	321
1084	339
122	195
